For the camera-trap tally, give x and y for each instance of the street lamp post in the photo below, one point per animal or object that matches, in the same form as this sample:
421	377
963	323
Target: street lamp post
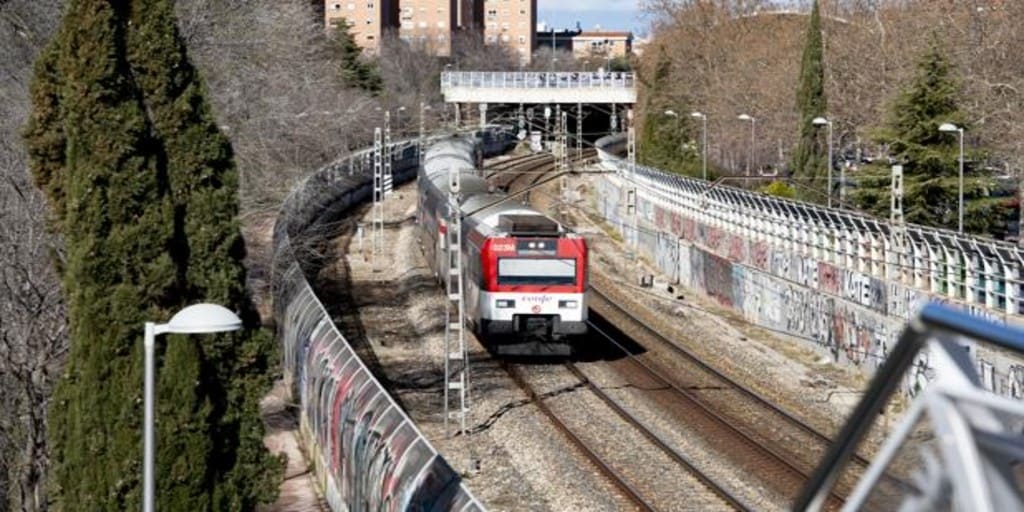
682	141
952	128
704	151
195	319
750	154
821	121
398	117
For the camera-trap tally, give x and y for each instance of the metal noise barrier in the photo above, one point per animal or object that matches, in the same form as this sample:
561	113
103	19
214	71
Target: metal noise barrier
972	459
366	452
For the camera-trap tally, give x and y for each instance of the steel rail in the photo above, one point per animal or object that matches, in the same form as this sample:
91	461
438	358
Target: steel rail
609	472
718	418
743	390
708	482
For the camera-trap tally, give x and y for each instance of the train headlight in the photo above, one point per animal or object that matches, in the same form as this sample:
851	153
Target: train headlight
504	303
568	304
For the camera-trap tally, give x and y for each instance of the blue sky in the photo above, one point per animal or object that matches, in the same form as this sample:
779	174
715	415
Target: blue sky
610	14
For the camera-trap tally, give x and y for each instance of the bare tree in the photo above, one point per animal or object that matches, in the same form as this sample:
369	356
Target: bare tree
277	90
741	57
33	340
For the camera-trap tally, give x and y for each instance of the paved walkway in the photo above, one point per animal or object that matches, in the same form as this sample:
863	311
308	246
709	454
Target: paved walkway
298	491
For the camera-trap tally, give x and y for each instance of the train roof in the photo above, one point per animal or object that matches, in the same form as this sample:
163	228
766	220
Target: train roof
490	208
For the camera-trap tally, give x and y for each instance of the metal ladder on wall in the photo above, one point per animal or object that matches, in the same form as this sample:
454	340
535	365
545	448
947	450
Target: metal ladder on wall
456	358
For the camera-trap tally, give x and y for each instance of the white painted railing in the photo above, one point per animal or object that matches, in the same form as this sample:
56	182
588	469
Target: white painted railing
535	80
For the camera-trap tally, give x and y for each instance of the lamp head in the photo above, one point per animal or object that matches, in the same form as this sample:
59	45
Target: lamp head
949	128
745	117
698	115
819	121
204	318
671	113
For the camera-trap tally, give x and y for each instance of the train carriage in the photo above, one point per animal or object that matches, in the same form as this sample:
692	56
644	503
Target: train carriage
525	275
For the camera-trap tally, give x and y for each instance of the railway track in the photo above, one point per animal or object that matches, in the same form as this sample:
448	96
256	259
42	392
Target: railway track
508	173
765	454
731	438
798	445
643	493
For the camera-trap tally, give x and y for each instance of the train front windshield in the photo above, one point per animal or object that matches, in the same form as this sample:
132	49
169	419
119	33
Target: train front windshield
537	271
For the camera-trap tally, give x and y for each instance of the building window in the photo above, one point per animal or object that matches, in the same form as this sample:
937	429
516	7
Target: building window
522	39
440	24
423	24
336	7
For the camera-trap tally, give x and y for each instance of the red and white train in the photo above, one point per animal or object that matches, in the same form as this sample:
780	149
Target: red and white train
524	274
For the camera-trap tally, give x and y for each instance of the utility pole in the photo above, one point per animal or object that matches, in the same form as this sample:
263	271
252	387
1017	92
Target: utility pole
563	155
896	221
423	131
456	360
579	131
377	228
631	202
389	183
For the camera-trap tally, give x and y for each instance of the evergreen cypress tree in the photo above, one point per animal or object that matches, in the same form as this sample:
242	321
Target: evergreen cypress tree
930	158
44	135
809	159
665	141
355	70
145	191
117	222
209	250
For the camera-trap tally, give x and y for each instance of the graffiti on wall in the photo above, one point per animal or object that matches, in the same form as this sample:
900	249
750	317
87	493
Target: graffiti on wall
718	278
828	278
760	255
367	450
737	249
852	316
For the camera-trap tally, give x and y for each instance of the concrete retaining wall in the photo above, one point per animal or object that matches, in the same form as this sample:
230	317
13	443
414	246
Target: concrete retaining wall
852	317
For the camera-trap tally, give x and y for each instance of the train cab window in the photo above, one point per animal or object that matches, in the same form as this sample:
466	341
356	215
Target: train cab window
536	271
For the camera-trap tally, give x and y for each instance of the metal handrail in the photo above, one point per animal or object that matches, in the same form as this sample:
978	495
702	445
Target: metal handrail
539	80
933	322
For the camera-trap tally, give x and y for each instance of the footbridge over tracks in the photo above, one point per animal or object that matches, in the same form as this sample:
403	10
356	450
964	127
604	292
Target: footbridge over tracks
538	87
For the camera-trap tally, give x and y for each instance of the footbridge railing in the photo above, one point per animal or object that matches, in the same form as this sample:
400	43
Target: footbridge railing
538	87
958	446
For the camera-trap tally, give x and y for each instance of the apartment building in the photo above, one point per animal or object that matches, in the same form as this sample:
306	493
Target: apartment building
513	24
369	19
432	24
429	24
605	45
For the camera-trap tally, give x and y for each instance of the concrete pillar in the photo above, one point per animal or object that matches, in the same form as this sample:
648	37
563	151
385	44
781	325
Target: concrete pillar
992	277
935	268
920	267
952	273
878	255
1012	273
971	281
